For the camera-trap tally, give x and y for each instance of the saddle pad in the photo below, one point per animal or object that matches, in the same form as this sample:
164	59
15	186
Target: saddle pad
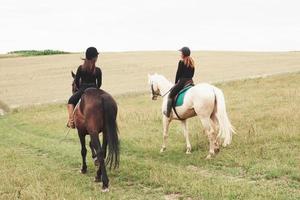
180	97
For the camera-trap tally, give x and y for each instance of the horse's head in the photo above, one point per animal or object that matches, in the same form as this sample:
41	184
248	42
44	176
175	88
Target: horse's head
74	86
153	82
160	85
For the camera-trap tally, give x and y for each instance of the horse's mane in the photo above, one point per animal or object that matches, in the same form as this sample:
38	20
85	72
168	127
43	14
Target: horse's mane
161	78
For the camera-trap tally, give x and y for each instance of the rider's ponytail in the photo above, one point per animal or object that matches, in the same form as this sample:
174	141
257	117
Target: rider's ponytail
189	61
88	66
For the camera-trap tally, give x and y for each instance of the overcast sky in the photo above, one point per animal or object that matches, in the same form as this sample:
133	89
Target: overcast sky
122	25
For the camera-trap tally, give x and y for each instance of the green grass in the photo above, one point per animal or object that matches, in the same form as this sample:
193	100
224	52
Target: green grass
37	52
262	162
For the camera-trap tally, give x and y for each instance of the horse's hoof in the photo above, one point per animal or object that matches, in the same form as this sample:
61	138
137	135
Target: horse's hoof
188	152
163	149
97	179
105	190
208	157
83	171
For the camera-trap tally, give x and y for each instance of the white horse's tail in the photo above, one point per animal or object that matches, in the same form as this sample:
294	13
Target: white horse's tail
225	128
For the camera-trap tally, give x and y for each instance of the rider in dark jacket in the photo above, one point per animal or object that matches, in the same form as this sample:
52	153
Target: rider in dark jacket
184	75
87	76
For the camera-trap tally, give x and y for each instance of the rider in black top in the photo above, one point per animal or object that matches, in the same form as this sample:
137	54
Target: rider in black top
87	76
184	75
184	72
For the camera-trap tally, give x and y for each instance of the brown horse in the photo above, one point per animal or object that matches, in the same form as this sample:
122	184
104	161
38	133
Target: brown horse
95	113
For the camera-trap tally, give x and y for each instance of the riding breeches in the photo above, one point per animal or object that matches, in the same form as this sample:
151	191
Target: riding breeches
74	99
179	86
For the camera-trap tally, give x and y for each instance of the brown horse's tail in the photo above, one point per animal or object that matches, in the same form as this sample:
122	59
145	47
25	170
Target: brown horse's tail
111	131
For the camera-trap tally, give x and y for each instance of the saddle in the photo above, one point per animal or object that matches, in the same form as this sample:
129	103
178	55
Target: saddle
178	99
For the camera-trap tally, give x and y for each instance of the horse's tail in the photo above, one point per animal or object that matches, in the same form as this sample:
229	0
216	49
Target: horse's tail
225	128
110	131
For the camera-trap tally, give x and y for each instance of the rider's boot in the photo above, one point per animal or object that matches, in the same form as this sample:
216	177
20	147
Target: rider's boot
167	112
71	123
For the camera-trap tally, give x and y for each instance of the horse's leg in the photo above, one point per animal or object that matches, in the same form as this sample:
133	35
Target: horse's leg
94	155
186	135
100	155
166	123
104	145
216	129
83	152
208	128
104	149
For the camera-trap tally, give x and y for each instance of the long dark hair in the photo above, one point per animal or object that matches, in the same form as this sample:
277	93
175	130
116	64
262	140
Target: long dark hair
89	66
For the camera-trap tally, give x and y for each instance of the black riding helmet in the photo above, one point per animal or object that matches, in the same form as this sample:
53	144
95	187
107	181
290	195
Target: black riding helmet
185	51
91	53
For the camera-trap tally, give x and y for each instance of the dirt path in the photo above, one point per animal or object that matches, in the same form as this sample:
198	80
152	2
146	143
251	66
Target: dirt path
34	80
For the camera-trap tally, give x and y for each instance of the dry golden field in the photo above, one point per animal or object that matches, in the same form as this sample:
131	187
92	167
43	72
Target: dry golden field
43	79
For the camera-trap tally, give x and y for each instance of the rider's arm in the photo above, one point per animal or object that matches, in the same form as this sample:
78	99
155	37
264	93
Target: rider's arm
99	78
179	71
77	77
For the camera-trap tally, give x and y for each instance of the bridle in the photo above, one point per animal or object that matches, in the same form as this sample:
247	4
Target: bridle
74	87
155	94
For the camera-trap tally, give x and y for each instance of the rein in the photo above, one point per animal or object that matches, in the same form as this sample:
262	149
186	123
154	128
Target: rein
155	93
167	92
158	94
67	133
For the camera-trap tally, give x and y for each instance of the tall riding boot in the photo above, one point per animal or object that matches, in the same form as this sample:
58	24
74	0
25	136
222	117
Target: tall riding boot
71	117
169	107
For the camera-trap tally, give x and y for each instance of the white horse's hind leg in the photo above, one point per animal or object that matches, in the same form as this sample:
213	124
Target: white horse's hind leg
208	128
186	135
166	123
216	130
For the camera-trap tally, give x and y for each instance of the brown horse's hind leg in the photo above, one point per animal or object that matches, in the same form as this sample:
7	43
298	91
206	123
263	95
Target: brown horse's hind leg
96	161
94	155
101	173
104	145
83	152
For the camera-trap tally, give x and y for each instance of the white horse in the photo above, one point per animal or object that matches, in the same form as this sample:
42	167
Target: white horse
203	100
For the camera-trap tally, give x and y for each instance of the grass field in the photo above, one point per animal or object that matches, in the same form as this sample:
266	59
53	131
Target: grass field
42	79
262	162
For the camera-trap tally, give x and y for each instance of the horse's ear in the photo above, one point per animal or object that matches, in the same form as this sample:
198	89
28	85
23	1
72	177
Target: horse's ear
73	75
149	78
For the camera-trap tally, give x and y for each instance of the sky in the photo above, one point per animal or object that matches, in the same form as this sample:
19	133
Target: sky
133	25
